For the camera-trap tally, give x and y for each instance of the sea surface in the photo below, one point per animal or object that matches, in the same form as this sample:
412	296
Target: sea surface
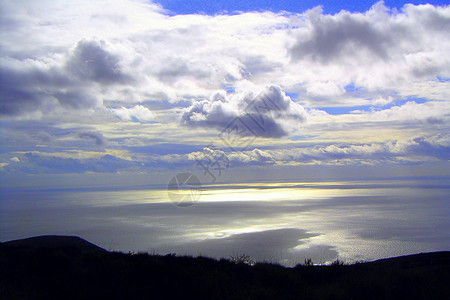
284	222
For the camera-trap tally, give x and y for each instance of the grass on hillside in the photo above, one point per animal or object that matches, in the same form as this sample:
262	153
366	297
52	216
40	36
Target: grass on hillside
68	273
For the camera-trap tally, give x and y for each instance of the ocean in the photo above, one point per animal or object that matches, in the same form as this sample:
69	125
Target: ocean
285	222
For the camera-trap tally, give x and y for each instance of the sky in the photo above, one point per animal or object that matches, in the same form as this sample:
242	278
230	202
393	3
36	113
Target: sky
123	93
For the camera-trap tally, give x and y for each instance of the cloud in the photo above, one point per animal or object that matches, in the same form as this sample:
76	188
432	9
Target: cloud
73	82
83	66
18	86
416	149
430	112
137	113
329	38
131	51
97	137
379	50
379	34
90	61
31	85
132	43
36	163
382	101
268	114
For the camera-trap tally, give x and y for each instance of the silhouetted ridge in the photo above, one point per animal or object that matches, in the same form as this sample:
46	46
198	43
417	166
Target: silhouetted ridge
56	241
61	267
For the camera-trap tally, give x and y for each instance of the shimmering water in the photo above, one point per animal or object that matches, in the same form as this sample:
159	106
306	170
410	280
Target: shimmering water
277	222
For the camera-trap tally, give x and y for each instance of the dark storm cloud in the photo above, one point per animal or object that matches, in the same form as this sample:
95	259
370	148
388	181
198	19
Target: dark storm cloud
76	99
32	86
97	137
331	38
23	89
38	89
378	34
90	61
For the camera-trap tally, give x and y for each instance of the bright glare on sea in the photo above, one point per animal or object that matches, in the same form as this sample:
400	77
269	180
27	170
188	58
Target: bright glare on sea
275	222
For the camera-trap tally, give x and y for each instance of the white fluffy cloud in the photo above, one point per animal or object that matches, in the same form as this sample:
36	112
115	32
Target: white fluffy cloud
269	113
416	149
381	49
83	67
433	112
131	51
138	113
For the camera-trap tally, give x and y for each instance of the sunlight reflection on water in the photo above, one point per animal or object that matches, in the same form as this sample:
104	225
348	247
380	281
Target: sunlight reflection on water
282	222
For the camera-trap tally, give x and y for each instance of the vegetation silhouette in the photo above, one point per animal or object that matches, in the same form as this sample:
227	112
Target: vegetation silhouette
76	269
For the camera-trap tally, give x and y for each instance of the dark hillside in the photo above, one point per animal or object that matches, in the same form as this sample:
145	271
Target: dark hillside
70	271
56	241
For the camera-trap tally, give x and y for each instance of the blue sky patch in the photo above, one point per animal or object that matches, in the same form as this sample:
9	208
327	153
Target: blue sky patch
233	6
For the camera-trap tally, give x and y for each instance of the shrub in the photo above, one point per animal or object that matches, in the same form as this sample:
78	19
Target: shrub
338	262
242	259
308	262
